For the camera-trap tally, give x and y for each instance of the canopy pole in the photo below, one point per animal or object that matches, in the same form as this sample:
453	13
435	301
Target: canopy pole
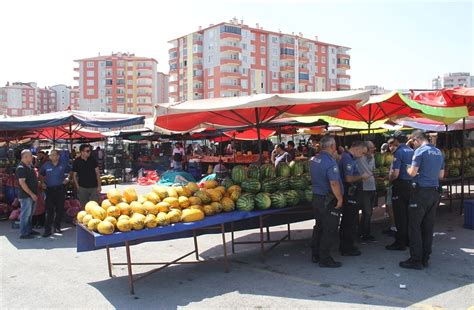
369	121
70	137
54	138
257	118
446	138
462	165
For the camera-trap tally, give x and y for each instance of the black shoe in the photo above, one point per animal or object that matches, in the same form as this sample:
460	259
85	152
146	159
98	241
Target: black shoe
34	233
396	247
58	230
329	263
411	264
26	237
46	234
315	259
351	253
425	263
367	238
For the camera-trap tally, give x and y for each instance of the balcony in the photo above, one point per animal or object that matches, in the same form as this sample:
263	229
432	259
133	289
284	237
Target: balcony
303	48
76	78
142	85
233	74
303	70
287	45
344	76
197	65
76	69
343	66
231	48
290	80
171	61
343	87
230	61
197	77
347	56
197	54
303	59
230	87
287	57
286	68
230	36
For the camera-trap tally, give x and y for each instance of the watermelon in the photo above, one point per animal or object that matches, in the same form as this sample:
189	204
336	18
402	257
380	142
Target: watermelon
269	186
251	185
301	195
267	171
254	172
246	202
296	168
283	170
278	200
292	198
298	183
283	183
227	183
308	193
306	166
308	177
238	174
262	201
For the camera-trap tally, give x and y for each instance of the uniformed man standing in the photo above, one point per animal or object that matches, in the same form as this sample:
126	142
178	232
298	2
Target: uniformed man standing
427	168
327	201
402	185
352	180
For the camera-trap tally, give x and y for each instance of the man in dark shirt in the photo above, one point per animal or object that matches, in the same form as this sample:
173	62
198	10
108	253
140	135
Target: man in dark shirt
290	149
28	189
86	176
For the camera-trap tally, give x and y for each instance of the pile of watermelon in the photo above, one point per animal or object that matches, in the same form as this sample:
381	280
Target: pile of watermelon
264	187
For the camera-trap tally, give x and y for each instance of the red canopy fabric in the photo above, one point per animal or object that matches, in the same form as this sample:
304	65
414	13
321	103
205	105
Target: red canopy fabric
444	98
250	110
63	133
250	134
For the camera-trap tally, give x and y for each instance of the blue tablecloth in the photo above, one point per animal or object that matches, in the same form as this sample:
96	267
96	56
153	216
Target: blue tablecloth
90	241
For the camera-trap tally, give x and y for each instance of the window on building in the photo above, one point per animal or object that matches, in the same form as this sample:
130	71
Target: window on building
90	82
90	73
244	83
274	75
323	49
333	60
323	60
211	94
287	51
252	48
109	81
263	61
333	71
316	69
274	39
210	84
275	63
262	49
274	86
231	29
102	63
244	71
108	63
274	51
252	60
90	64
262	38
323	70
333	50
253	36
90	92
210	71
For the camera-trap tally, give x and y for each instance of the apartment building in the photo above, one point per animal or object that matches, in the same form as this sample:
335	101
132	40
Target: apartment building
162	81
21	99
234	59
458	79
120	82
66	97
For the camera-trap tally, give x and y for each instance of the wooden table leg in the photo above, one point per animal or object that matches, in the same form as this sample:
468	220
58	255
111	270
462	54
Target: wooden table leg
129	265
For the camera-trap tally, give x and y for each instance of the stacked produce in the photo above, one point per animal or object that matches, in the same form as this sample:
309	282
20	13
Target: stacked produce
452	158
382	169
109	179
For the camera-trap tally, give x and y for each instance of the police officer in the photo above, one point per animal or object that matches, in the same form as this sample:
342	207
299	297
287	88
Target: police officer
327	201
401	181
352	180
427	168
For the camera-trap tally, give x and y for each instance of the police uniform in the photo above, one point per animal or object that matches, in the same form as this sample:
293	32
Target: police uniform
422	207
323	169
402	187
350	209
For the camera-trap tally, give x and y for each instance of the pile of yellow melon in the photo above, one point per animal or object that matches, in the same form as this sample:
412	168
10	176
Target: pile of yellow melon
162	206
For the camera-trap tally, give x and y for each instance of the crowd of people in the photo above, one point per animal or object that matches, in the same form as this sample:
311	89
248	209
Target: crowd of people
344	183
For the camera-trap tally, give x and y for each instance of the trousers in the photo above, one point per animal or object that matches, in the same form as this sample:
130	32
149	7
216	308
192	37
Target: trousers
367	205
350	218
401	195
327	222
421	214
27	208
54	207
87	194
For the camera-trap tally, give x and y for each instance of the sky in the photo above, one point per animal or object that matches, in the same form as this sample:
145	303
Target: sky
395	44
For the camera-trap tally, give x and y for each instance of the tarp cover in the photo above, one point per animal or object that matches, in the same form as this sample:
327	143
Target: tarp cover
84	118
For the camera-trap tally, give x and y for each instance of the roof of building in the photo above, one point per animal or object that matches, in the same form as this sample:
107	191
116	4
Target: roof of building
125	56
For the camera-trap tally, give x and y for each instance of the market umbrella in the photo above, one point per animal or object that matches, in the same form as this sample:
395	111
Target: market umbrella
255	110
250	134
64	132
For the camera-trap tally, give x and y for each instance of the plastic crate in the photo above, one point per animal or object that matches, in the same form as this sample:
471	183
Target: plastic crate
469	214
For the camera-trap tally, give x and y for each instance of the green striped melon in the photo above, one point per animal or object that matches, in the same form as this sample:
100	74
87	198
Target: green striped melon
267	171
307	176
292	198
306	166
283	183
262	201
308	193
227	183
254	172
269	186
283	170
239	173
296	168
245	202
298	183
278	200
251	186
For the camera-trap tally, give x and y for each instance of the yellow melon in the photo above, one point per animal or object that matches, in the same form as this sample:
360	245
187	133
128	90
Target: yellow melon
112	219
172	192
163	206
125	208
153	197
217	206
221	189
130	194
137	207
198	207
124	225
234	188
209	210
179	190
235	195
98	213
80	216
92	224
174	216
227	204
183	202
114	196
106	204
162	219
194	200
211	184
173	201
91	204
137	221
86	219
193	187
151	208
106	228
113	211
215	195
123	217
192	215
150	221
141	199
161	191
187	192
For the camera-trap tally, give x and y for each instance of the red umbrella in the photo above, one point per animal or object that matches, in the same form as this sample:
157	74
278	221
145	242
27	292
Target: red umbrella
62	132
250	134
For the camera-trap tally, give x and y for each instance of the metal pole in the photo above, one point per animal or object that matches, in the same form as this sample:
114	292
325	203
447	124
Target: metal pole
260	155
462	166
